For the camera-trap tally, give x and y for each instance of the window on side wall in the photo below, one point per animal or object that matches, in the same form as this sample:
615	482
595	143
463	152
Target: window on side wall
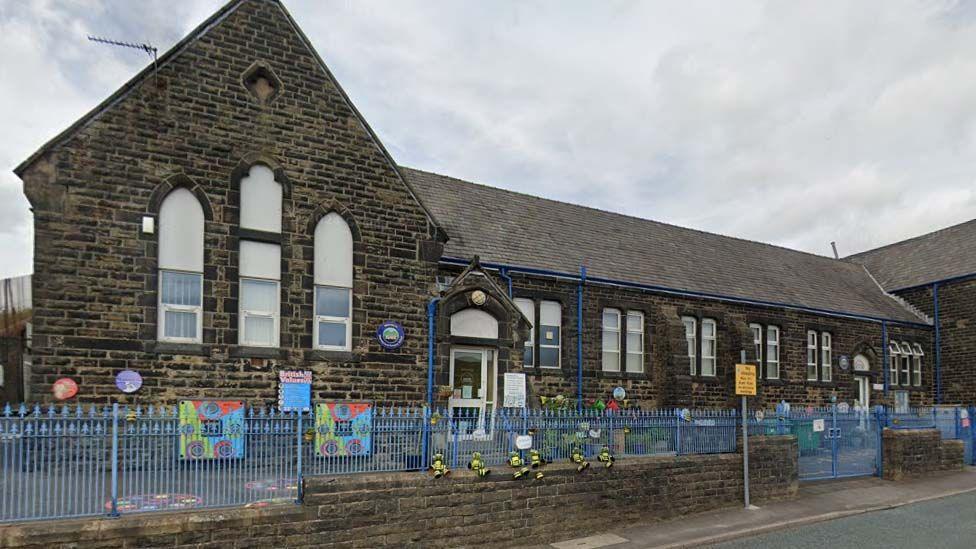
812	356
709	344
260	271
550	324
527	306
611	340
180	299
826	357
333	284
894	358
635	341
691	339
917	366
906	364
757	342
772	352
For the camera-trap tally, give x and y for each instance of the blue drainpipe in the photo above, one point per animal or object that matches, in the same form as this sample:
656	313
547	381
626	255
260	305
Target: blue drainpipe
579	338
938	346
884	355
503	272
431	309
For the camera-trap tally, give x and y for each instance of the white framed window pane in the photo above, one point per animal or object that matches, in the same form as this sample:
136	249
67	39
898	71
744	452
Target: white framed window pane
549	357
635	322
635	343
917	373
611	361
258	330
261	200
827	371
708	328
708	348
691	340
184	289
260	260
906	370
611	341
179	324
708	366
893	369
332	302
259	296
635	362
332	334
549	335
918	350
550	313
333	252
181	228
611	319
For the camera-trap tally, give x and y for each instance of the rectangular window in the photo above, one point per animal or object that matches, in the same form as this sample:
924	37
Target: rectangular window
527	306
772	352
259	312
757	341
893	359
180	306
333	315
708	350
635	341
691	339
826	357
611	340
906	364
917	365
550	324
812	356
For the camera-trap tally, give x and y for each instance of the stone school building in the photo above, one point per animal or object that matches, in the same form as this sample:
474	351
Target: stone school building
231	214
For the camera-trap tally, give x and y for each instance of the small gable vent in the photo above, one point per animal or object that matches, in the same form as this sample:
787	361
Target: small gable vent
262	83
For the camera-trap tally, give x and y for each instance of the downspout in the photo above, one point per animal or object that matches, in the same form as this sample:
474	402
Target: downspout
503	272
884	355
938	345
431	309
579	338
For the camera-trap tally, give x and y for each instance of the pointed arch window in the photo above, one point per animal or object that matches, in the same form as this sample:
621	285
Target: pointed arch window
260	261
333	284
180	307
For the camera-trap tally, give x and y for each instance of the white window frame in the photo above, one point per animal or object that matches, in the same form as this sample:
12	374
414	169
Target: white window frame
347	320
558	346
275	314
640	333
826	357
691	339
757	341
714	339
772	358
906	364
813	373
529	343
894	356
609	333
917	365
163	307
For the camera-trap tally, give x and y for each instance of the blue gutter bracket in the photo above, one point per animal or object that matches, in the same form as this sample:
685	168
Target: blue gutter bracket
503	272
938	344
579	338
431	325
884	355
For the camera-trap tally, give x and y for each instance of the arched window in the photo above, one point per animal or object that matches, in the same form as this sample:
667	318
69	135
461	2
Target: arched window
333	284
260	261
474	323
180	267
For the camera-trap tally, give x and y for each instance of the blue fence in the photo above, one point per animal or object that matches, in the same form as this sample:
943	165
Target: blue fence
59	462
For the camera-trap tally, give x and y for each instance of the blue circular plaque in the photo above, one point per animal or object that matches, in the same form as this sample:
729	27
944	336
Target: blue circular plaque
390	335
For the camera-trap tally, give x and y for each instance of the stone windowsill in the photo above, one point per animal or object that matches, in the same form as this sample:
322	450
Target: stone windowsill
322	355
245	351
172	348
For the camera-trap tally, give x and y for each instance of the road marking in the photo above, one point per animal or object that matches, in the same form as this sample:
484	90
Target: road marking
591	542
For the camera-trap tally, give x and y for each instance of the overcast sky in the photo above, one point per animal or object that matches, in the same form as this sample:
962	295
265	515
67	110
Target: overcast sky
794	123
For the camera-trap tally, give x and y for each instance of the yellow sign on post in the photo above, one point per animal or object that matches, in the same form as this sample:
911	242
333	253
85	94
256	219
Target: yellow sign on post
745	379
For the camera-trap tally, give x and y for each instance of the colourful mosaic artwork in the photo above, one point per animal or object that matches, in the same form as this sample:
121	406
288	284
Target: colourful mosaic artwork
343	429
211	429
155	502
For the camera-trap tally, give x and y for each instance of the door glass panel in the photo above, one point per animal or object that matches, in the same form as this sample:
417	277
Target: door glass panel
467	374
490	381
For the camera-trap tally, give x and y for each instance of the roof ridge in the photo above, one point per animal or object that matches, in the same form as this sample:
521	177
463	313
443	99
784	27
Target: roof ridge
634	217
908	240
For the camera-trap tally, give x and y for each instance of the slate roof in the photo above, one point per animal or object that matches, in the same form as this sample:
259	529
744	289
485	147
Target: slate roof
511	228
946	253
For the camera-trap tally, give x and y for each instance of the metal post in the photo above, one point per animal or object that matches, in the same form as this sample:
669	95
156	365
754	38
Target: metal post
938	345
301	435
579	339
114	511
884	355
745	443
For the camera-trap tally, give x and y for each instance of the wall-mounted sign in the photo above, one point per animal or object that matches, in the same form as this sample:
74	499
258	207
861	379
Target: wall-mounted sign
211	429
818	425
877	386
619	393
478	298
844	362
343	429
128	381
514	395
523	442
390	335
64	388
295	391
844	407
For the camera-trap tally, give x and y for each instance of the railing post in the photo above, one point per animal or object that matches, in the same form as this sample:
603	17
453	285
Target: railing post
677	432
301	476
114	511
425	439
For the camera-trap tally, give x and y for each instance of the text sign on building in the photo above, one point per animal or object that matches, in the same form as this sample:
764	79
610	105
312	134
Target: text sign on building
295	391
745	379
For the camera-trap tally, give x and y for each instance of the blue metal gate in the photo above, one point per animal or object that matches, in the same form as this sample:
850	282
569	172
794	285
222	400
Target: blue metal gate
836	444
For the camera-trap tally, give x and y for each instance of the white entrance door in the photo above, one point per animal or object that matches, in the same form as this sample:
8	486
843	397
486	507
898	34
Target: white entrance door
473	383
863	391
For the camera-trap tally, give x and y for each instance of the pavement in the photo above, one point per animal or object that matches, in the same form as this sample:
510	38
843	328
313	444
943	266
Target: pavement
816	502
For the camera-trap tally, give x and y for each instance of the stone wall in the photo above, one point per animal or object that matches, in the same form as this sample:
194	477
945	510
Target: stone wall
461	510
918	452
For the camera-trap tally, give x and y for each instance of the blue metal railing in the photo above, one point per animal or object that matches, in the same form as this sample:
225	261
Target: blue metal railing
58	462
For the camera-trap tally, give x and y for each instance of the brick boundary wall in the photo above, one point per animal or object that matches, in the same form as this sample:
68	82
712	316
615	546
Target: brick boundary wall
461	510
918	452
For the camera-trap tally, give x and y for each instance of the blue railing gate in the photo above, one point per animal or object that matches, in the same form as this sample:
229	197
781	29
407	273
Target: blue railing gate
836	444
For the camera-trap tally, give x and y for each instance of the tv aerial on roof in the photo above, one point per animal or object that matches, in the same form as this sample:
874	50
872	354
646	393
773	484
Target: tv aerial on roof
148	48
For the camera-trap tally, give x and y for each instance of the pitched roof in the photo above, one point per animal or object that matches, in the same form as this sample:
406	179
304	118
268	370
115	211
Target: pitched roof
511	228
940	255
